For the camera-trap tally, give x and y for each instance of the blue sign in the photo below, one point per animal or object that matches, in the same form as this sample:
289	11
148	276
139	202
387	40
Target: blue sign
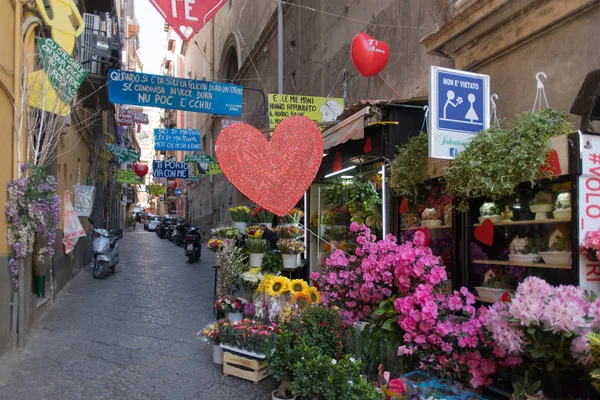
177	139
458	110
178	192
162	199
170	169
146	90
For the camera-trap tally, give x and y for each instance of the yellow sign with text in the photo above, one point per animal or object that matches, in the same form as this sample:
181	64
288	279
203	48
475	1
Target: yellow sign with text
319	109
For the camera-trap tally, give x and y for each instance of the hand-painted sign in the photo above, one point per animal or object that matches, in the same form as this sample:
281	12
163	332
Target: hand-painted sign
134	88
226	122
126	176
129	116
458	110
177	139
319	109
124	154
169	169
589	207
187	16
65	73
203	164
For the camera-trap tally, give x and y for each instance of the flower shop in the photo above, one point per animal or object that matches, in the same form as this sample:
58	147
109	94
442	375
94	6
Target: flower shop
403	277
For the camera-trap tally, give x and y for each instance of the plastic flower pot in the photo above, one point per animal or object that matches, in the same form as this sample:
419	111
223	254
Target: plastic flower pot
256	259
40	286
217	354
290	261
241	226
235	316
274	396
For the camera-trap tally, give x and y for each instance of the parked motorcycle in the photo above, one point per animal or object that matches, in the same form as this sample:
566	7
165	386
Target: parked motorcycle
180	231
193	249
105	251
171	232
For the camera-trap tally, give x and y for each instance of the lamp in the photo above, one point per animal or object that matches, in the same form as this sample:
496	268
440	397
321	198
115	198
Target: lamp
340	171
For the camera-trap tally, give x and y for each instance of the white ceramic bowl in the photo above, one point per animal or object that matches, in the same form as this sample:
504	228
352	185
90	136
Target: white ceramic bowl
431	223
556	257
494	218
490	294
525	258
541	208
563	213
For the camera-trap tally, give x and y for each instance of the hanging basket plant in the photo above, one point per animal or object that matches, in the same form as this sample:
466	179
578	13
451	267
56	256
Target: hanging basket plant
409	169
497	160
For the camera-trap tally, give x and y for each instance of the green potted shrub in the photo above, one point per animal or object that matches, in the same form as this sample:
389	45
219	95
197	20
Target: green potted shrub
562	206
541	205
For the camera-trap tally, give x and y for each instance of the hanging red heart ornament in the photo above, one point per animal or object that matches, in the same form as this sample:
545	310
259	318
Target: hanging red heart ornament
274	174
172	185
403	209
369	55
187	16
485	232
140	169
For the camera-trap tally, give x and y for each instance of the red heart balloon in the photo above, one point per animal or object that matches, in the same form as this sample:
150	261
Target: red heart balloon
274	174
403	206
172	185
485	232
369	55
140	169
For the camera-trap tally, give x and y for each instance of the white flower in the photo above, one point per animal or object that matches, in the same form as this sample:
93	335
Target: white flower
350	383
352	359
333	361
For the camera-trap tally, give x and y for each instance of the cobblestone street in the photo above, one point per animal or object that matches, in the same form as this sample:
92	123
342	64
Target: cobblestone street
130	336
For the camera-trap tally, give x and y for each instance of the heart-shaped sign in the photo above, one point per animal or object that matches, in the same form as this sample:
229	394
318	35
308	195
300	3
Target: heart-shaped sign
274	174
172	185
187	16
552	163
140	169
485	232
403	206
369	55
427	233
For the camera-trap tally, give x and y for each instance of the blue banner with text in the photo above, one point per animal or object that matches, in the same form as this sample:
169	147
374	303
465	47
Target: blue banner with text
170	169
133	88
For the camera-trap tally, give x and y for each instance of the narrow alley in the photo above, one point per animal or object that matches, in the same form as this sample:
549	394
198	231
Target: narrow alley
130	336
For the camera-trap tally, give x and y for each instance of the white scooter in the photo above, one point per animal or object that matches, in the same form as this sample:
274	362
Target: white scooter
105	250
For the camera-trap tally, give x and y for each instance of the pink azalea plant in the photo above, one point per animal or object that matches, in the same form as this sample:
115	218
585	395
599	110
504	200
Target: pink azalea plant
377	270
546	324
591	245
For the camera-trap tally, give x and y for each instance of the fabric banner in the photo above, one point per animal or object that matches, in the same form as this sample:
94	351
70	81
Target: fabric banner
177	139
170	169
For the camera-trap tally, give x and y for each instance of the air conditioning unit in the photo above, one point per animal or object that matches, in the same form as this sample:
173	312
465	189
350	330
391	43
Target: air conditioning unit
86	42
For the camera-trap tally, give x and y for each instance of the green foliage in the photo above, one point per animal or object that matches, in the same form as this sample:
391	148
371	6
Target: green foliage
409	169
272	263
155	189
522	389
497	160
256	246
359	197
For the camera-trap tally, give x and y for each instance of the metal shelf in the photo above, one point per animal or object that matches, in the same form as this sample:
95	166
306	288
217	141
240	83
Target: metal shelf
523	264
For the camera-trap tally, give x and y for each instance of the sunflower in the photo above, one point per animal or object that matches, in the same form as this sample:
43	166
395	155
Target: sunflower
277	285
298	286
314	294
301	298
261	288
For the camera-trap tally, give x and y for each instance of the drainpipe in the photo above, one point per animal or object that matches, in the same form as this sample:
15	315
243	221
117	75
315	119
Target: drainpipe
279	47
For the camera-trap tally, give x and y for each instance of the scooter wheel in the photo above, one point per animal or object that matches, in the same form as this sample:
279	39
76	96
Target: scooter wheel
100	270
191	258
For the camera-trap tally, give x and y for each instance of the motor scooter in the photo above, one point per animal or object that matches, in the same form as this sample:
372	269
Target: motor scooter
105	251
193	249
181	229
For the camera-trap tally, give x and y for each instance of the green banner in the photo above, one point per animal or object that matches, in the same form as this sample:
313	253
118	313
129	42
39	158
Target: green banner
204	165
127	176
64	72
124	154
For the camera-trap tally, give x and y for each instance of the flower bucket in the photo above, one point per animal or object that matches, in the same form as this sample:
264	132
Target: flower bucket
217	354
267	224
290	261
256	259
322	229
241	226
274	396
40	286
235	316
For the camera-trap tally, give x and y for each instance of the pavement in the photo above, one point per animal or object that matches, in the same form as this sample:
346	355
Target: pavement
131	336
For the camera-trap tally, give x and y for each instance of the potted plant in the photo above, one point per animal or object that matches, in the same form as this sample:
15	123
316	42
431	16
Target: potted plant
562	206
495	284
272	263
541	205
491	211
251	279
526	249
288	232
281	362
233	307
590	245
294	216
290	248
559	244
257	249
251	337
239	216
210	333
262	217
430	218
131	222
255	231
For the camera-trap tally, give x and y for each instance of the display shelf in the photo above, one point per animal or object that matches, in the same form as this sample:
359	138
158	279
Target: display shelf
531	222
523	264
414	228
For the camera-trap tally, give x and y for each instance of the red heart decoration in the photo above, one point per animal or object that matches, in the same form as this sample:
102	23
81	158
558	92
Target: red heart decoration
369	55
172	185
506	297
140	169
485	232
368	147
552	163
403	206
188	16
427	233
274	174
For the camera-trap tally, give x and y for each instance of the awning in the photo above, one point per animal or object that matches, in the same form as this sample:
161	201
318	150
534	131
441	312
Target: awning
352	128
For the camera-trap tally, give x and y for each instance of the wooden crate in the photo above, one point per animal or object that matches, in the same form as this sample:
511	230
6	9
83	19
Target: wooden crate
244	367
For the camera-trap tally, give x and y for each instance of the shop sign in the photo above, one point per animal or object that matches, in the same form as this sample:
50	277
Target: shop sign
146	90
203	164
129	116
123	153
170	169
589	207
458	110
64	72
319	109
177	139
126	176
162	199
